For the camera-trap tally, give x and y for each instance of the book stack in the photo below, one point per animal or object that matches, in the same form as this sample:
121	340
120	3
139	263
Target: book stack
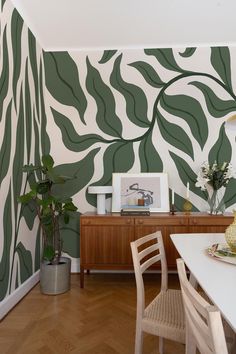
135	210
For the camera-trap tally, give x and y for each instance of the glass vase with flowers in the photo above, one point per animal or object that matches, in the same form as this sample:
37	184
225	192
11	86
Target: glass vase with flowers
214	179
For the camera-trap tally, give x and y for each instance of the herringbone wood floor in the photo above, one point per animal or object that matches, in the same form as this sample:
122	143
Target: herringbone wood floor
99	319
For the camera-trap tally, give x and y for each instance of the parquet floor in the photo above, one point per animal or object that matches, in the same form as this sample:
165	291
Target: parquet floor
99	319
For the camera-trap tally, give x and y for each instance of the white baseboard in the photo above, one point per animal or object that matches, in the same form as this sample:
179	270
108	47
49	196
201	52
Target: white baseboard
10	301
75	265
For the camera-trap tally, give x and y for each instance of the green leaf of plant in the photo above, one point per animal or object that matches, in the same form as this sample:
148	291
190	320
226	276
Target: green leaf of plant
107	55
188	52
45	141
83	170
220	60
149	158
16	31
62	81
7	240
48	253
190	110
5	150
149	73
217	107
71	139
26	264
47	161
221	151
4	78
186	174
230	193
165	57
106	117
136	101
175	135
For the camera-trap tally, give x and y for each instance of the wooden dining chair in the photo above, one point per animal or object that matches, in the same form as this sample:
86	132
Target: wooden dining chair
164	315
204	329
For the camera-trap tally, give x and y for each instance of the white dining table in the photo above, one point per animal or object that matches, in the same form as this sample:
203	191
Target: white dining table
217	278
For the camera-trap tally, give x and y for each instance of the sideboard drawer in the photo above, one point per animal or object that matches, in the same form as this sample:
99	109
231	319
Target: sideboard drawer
89	221
149	221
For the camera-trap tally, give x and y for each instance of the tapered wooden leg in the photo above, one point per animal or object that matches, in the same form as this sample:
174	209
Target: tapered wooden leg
81	276
161	345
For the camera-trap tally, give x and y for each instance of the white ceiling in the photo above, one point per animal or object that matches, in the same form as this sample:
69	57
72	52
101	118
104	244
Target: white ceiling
118	24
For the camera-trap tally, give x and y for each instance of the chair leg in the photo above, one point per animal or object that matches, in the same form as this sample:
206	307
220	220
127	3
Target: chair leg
138	341
190	345
161	345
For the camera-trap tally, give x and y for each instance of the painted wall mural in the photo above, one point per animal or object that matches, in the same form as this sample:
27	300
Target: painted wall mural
23	137
153	110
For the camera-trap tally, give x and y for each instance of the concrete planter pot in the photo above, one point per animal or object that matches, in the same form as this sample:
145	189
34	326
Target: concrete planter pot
55	278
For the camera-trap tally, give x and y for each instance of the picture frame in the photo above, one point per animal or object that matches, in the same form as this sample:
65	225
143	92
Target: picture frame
129	187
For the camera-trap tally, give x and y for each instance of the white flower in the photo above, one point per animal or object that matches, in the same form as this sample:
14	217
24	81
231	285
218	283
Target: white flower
230	173
201	181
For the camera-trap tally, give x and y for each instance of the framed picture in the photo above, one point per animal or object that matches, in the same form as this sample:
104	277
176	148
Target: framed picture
129	188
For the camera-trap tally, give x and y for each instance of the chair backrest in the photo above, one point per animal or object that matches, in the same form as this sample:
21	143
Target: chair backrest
203	321
146	251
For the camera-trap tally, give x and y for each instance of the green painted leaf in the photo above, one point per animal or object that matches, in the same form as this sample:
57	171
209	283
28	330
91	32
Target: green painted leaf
221	151
186	174
19	153
188	52
175	135
29	213
34	67
71	139
37	253
70	236
62	80
82	170
165	57
230	193
3	2
106	117
5	150
107	55
26	264
37	152
4	78
45	141
149	73
16	31
7	239
217	107
190	110
136	101
220	60
150	160
28	114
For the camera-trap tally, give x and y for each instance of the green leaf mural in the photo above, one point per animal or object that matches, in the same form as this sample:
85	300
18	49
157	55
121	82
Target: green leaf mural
34	66
82	171
16	32
7	239
175	135
45	141
136	101
70	236
4	78
107	55
62	81
106	117
221	151
5	150
230	193
165	57
220	60
150	160
28	114
25	259
3	2
70	137
216	106
37	254
149	73
190	110
188	52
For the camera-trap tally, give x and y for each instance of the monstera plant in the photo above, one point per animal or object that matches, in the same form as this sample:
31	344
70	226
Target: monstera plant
51	210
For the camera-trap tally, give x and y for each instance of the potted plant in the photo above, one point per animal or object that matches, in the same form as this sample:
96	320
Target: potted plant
52	211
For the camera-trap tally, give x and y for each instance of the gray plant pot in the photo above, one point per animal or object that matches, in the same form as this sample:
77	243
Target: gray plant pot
55	278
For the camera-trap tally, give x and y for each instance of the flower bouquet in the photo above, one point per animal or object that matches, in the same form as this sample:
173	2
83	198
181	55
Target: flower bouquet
214	178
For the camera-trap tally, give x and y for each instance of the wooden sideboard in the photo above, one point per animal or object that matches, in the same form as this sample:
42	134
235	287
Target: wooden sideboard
105	239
